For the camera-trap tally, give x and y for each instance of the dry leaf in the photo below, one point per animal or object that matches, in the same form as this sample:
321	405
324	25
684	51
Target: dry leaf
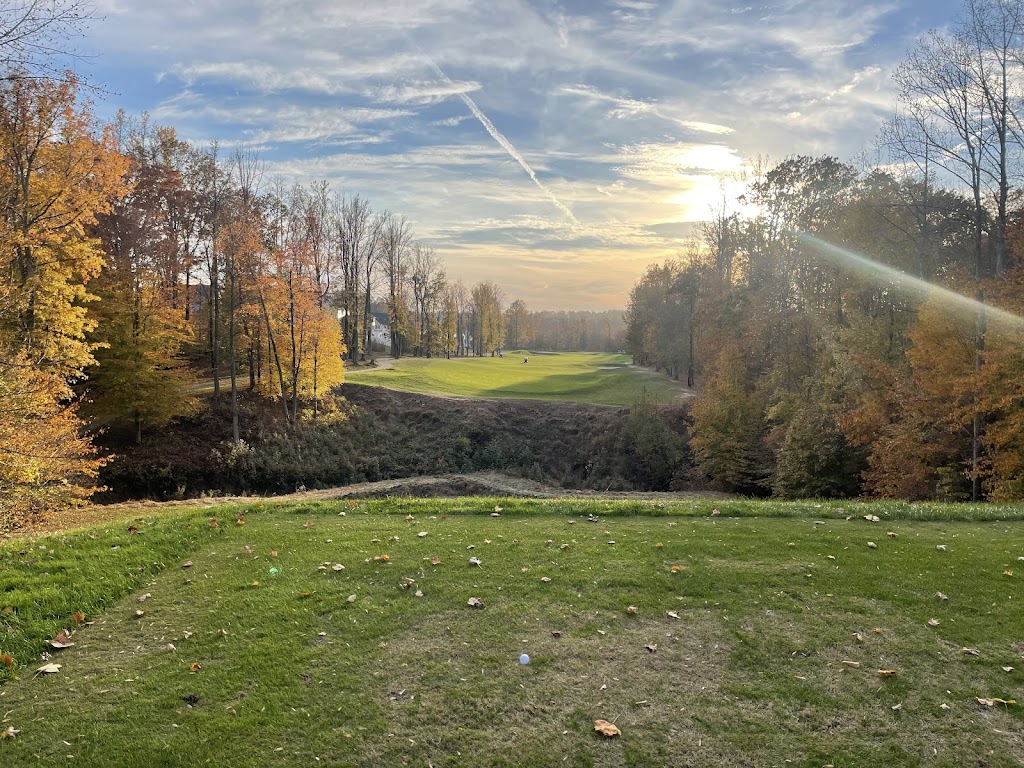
891	534
1007	573
971	651
475	602
350	599
852	664
556	633
78	617
187	564
651	648
409	517
304	595
940	547
672	614
419	593
195	666
933	622
941	596
606	729
435	561
145	597
186	634
422	534
886	672
545	579
61	641
337	567
497	509
1007	669
872	545
7	660
474	561
139	614
872	518
877	630
896	707
858	637
170	647
992	702
632	610
273	553
715	513
48	669
9	733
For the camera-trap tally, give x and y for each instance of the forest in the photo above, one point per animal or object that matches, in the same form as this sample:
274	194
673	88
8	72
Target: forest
857	330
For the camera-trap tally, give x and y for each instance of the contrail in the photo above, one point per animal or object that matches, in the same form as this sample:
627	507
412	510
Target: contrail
507	146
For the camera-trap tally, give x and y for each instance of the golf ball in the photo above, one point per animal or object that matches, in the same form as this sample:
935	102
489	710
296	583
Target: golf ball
524	659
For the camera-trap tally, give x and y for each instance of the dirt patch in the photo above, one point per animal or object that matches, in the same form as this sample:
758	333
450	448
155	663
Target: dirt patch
462	682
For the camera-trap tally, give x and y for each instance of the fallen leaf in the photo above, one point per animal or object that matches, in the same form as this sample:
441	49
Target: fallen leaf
419	593
858	637
304	595
672	614
337	567
933	622
7	660
896	707
1007	573
715	512
992	702
474	561
1007	669
187	564
350	599
497	509
886	672
422	534
651	648
944	705
435	561
891	534
941	596
61	641
48	669
971	651
940	547
659	545
475	602
195	666
877	630
145	597
170	647
78	617
606	729
273	553
852	664
631	610
409	517
139	614
556	633
186	634
872	518
9	733
545	579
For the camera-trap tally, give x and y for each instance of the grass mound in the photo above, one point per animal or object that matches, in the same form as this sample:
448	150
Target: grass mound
754	640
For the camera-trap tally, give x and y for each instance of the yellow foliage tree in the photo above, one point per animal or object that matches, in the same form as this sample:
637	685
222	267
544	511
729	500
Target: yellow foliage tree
56	175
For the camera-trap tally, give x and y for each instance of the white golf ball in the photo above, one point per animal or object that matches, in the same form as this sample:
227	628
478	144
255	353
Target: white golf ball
524	659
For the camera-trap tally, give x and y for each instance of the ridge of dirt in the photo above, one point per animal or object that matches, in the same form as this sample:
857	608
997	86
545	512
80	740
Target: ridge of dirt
439	486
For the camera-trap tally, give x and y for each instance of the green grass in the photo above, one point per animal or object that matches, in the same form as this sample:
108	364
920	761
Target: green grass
571	376
293	674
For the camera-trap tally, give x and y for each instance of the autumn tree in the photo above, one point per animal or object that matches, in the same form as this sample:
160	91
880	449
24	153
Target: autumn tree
57	173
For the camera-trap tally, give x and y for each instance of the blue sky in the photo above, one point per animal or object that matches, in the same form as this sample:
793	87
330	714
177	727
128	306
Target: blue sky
555	147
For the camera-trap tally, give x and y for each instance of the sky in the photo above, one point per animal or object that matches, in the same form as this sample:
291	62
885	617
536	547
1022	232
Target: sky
555	147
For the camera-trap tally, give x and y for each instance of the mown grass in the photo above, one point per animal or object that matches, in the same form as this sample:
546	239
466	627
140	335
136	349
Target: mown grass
293	673
571	376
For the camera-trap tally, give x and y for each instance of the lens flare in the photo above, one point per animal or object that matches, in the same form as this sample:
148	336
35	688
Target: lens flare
909	285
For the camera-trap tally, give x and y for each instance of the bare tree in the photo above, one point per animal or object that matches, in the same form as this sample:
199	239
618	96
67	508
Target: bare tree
33	33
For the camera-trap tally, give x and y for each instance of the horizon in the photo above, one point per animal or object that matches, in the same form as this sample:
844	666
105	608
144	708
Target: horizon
556	149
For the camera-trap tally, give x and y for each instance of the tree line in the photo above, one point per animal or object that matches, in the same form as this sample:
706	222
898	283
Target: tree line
137	266
858	331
